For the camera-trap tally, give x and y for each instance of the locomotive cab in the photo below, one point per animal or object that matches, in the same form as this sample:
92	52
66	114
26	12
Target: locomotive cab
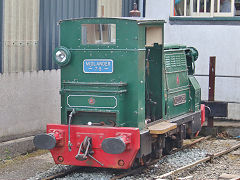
124	95
105	80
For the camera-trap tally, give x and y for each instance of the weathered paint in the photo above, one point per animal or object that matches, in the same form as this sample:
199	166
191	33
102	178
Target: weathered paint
20	24
98	135
127	82
108	106
154	82
120	53
109	92
177	82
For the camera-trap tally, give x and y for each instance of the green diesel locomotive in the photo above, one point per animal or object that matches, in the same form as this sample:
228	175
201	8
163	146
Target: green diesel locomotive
126	97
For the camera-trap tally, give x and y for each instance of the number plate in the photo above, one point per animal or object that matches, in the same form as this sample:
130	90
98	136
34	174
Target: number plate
98	66
181	99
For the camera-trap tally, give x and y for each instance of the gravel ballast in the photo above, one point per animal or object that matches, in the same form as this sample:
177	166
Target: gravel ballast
229	163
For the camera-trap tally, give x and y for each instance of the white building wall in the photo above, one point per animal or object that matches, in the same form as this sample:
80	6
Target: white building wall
221	41
29	101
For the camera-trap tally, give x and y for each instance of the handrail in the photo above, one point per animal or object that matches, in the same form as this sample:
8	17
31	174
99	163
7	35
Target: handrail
95	84
93	91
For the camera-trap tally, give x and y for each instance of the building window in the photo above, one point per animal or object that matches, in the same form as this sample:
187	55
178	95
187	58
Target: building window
204	8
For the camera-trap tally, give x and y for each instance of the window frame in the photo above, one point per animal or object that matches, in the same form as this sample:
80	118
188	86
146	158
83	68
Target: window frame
84	40
204	14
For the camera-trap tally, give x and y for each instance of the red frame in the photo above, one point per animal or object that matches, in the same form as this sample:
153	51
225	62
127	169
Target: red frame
202	114
98	134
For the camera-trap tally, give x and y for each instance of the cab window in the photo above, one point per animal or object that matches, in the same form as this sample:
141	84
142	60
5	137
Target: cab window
98	34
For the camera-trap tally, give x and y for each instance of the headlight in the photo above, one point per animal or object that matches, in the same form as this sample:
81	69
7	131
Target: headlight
62	56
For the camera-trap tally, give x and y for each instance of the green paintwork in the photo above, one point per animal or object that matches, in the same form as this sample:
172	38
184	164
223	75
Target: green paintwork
154	82
68	56
144	82
83	101
174	46
177	82
191	56
195	94
122	92
182	91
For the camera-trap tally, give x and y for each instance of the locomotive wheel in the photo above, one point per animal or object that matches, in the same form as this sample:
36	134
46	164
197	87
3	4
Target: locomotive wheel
189	133
138	162
168	146
179	143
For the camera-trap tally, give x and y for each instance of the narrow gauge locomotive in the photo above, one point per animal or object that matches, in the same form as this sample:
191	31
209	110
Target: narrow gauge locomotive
125	97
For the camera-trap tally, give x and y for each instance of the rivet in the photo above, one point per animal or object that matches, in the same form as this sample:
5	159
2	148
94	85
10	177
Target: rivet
121	163
60	159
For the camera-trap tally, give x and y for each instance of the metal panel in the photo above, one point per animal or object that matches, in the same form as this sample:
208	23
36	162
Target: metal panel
216	108
109	8
50	13
20	37
1	35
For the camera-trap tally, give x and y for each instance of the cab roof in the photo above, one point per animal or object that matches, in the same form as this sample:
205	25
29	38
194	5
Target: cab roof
139	20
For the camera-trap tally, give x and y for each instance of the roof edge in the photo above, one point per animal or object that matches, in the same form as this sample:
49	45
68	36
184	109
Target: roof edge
138	20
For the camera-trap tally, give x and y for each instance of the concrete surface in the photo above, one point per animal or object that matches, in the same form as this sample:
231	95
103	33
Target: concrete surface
29	101
207	131
16	147
27	166
231	128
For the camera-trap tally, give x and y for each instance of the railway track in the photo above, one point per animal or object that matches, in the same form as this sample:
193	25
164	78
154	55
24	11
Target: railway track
62	174
130	172
140	169
210	157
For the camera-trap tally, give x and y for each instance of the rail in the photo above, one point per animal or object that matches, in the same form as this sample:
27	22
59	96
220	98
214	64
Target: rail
134	171
208	158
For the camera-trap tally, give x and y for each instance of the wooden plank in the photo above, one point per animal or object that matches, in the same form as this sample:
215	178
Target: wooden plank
162	127
225	176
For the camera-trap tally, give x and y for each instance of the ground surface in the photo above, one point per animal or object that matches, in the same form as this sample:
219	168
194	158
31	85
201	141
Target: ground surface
39	164
229	163
26	166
